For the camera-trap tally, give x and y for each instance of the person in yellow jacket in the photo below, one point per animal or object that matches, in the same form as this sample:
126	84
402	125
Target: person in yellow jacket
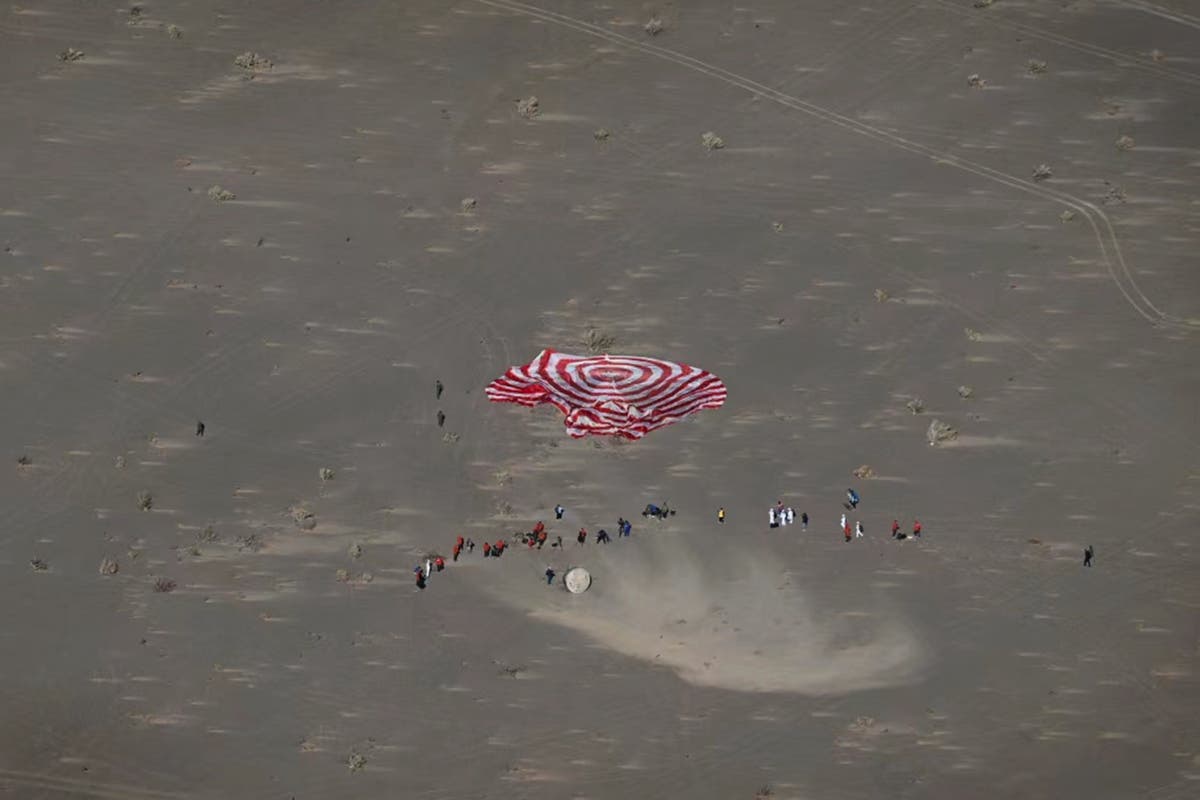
721	515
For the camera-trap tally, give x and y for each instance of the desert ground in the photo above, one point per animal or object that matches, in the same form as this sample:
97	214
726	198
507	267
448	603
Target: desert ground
290	221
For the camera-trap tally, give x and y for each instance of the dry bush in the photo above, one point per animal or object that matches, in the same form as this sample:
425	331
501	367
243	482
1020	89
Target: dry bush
145	500
972	334
864	472
39	565
209	534
1125	143
601	134
965	391
164	585
220	194
303	518
253	62
939	432
356	761
529	107
881	296
654	27
70	54
355	551
711	141
1042	172
326	474
598	343
467	205
975	81
174	32
915	405
1035	66
1066	216
109	566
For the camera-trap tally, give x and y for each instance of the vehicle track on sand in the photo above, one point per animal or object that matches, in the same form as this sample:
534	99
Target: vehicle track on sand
1106	238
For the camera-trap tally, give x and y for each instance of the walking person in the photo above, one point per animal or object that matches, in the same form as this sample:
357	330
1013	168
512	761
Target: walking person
1087	556
470	545
774	524
581	537
199	428
803	520
843	522
559	511
721	515
858	530
625	531
602	536
852	497
487	549
549	575
846	530
916	528
895	528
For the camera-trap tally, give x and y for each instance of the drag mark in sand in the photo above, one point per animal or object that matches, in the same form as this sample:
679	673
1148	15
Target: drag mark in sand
1102	227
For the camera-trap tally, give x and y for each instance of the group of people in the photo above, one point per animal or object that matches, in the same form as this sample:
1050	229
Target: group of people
779	516
535	538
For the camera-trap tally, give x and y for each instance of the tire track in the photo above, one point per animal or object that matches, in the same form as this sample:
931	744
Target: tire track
1102	227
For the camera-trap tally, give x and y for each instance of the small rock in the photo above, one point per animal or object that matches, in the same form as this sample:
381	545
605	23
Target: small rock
70	54
1041	172
108	567
601	134
24	461
1066	216
39	565
326	474
1035	66
145	501
777	227
975	82
529	107
654	27
1158	55
220	195
711	141
864	472
965	392
356	761
1125	143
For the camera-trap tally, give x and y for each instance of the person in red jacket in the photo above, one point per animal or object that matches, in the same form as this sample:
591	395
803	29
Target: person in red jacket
538	528
454	553
487	549
541	539
895	528
582	537
846	531
439	563
498	548
916	527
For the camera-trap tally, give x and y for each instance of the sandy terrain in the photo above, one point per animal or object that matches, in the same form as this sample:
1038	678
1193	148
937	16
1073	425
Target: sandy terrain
295	247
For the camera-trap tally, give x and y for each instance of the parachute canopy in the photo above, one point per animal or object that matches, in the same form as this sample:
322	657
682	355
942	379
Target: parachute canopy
610	395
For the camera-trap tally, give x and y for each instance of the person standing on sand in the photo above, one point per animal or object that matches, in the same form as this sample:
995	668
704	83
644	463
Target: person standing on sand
858	530
541	539
470	545
803	520
895	528
721	515
774	524
557	542
428	567
852	497
843	522
791	514
487	549
627	529
846	530
454	553
199	428
439	563
420	579
549	576
581	537
498	548
916	528
602	536
559	511
1087	556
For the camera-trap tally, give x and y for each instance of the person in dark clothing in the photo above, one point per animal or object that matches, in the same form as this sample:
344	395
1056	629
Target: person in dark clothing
852	497
199	428
487	549
441	418
628	527
803	520
559	511
602	536
549	576
420	578
470	545
582	536
1087	556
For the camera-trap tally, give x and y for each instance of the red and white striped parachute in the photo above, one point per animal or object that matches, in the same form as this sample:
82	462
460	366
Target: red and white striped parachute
610	395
